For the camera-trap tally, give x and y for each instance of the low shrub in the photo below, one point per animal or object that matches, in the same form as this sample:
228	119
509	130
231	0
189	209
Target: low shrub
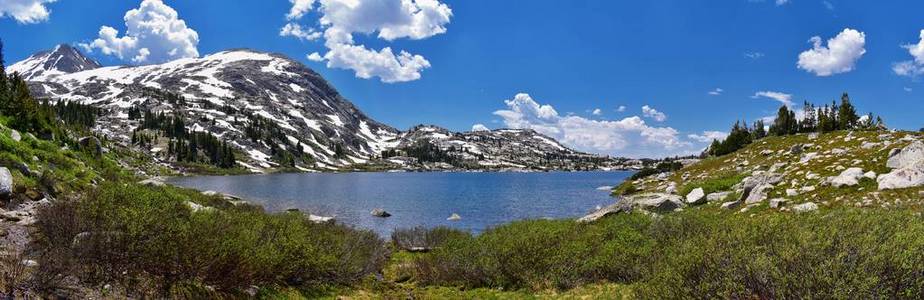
840	253
425	239
147	238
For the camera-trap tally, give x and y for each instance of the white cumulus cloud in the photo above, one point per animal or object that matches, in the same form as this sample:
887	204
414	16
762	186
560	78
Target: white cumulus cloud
652	113
630	136
297	31
915	67
299	8
621	108
480	127
784	98
388	20
154	33
716	92
25	11
597	112
840	55
708	136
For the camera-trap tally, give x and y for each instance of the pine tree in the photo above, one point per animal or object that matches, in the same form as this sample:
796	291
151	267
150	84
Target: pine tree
809	121
759	131
847	115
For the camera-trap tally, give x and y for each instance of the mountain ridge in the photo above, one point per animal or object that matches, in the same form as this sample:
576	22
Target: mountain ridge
308	124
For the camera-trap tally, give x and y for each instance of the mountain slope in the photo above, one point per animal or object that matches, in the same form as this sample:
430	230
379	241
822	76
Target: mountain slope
63	59
276	112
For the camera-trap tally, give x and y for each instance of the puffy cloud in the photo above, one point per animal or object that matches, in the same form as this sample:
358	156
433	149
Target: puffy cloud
154	33
480	127
708	136
299	8
784	98
652	113
597	112
621	108
912	68
314	56
716	92
388	20
25	11
630	136
840	55
297	31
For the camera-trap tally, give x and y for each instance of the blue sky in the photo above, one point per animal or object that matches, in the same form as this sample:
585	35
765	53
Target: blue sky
570	57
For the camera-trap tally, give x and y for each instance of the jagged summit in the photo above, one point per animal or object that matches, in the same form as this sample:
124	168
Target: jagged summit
63	59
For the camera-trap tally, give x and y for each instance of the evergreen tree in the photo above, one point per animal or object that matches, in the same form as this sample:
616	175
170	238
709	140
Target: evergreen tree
785	122
759	131
809	121
847	115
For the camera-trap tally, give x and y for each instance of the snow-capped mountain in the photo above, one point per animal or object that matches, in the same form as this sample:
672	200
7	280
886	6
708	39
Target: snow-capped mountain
228	92
63	59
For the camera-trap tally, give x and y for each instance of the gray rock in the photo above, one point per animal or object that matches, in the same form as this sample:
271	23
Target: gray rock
901	178
6	183
15	135
910	156
805	207
796	149
731	204
606	211
712	197
91	144
454	217
696	196
777	202
381	213
655	202
849	177
758	194
870	175
154	181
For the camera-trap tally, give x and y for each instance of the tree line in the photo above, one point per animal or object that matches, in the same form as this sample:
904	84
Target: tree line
828	118
184	145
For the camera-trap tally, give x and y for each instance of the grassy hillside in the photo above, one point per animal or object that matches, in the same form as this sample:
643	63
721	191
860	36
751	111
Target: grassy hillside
801	172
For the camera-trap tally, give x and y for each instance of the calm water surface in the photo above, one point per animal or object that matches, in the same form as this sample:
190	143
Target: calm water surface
482	199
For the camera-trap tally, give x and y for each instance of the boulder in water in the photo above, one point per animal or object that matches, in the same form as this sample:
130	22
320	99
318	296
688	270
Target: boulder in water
381	213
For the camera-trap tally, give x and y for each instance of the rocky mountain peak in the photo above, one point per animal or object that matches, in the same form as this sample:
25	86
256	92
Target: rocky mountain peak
63	59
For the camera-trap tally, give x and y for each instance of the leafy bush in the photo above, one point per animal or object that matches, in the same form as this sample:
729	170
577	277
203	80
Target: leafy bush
841	253
422	238
134	234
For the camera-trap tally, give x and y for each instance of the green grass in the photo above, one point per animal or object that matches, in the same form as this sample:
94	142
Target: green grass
718	183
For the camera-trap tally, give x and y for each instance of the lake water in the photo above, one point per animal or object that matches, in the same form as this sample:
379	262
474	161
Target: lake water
481	199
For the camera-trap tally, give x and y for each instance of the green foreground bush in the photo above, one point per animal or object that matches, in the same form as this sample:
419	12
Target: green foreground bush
148	240
843	253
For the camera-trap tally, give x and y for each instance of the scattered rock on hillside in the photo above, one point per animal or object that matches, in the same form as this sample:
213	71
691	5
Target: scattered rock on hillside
91	144
319	219
654	202
154	181
15	135
696	196
6	183
758	194
603	212
717	196
901	178
805	207
796	149
908	165
777	202
849	177
381	213
912	155
731	204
